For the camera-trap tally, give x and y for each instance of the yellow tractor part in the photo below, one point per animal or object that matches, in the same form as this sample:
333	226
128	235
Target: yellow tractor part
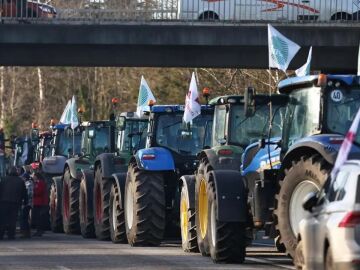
203	208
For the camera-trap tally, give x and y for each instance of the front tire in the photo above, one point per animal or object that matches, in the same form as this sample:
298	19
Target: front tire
117	218
305	175
144	207
70	204
55	204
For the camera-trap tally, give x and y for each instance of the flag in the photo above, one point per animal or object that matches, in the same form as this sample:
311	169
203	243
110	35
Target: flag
74	117
192	104
281	49
346	145
66	115
145	95
305	69
358	71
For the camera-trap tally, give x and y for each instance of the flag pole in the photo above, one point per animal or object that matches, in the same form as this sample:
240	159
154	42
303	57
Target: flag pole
270	118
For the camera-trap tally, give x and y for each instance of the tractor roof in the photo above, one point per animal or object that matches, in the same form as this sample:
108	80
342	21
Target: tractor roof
95	123
133	116
259	99
290	84
227	99
174	108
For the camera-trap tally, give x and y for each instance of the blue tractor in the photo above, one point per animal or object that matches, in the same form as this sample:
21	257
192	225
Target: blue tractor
151	192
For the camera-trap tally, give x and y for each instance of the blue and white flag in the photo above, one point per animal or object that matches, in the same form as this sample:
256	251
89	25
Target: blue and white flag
66	115
74	117
305	69
145	95
281	49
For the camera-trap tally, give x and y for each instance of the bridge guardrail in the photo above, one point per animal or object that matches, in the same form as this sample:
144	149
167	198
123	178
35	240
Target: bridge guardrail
226	11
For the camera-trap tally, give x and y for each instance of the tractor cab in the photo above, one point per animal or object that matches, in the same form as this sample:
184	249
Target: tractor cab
42	145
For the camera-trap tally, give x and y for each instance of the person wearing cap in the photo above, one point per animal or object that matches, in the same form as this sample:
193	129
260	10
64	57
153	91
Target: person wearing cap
12	194
24	221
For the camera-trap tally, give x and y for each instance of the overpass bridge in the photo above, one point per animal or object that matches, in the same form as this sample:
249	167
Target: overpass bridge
168	37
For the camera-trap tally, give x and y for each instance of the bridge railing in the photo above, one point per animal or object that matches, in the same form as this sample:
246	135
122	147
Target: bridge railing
226	11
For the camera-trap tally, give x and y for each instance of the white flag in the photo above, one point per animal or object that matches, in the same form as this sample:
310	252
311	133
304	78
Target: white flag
192	104
358	71
346	145
145	95
74	117
66	115
305	69
281	49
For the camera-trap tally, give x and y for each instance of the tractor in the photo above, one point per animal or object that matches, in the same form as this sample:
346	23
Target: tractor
99	195
151	190
236	124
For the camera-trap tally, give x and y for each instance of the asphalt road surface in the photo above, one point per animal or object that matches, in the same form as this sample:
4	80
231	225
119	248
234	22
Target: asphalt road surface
72	252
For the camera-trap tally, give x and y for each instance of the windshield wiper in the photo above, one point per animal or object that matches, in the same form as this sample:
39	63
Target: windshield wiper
173	124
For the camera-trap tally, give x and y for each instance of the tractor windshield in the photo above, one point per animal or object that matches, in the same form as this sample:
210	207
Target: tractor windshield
100	143
247	130
302	115
342	106
64	142
184	139
134	136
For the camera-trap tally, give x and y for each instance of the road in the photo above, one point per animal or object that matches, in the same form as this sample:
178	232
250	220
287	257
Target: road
72	252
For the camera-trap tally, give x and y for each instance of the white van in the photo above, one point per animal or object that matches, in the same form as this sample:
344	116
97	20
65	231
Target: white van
269	10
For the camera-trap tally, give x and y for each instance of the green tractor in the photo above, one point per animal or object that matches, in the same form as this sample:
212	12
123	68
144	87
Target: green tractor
99	195
236	125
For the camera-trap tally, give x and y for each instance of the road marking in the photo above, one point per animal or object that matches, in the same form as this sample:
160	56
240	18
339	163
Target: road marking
264	261
60	267
15	249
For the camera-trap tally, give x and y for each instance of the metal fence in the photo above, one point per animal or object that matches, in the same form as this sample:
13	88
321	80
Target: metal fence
226	11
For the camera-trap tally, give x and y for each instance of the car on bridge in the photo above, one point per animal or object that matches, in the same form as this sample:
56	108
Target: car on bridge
269	10
26	9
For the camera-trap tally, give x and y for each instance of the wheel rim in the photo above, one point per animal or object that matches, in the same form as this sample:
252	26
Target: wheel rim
129	206
296	211
203	208
98	204
114	213
66	201
184	219
213	224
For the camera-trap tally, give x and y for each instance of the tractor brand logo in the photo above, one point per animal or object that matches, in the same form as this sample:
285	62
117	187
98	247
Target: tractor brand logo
280	51
143	96
265	164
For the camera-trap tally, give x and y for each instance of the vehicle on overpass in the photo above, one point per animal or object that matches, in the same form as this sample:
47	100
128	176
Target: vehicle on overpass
328	236
151	201
269	10
26	9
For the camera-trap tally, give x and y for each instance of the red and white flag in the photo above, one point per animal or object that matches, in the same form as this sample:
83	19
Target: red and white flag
192	104
346	145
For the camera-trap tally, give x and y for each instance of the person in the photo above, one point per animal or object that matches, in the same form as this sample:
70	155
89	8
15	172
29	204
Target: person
12	194
40	203
24	221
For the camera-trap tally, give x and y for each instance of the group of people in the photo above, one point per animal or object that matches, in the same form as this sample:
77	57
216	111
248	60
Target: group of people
23	194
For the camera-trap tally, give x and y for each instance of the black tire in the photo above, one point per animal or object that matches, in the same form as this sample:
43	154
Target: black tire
117	217
279	245
55	203
299	261
101	200
227	240
201	232
209	16
187	223
70	204
312	169
86	210
329	262
145	216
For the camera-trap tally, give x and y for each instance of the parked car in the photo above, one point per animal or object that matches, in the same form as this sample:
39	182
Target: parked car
26	9
329	237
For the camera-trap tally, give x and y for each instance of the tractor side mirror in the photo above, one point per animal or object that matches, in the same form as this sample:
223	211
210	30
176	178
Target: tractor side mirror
249	105
121	123
91	134
310	201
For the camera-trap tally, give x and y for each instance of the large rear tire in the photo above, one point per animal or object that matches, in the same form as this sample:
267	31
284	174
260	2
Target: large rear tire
227	240
86	210
308	174
55	203
187	222
70	204
117	218
102	188
144	207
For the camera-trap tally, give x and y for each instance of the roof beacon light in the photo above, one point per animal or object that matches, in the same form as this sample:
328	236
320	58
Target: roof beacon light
115	101
151	102
81	110
33	125
322	80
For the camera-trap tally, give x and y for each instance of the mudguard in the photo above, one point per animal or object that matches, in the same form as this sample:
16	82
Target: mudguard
188	181
70	163
231	195
106	160
219	162
53	165
119	180
160	159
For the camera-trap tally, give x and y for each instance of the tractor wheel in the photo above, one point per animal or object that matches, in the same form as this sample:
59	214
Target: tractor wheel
55	206
70	204
187	223
144	207
304	176
102	188
201	209
299	260
227	240
117	219
86	210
